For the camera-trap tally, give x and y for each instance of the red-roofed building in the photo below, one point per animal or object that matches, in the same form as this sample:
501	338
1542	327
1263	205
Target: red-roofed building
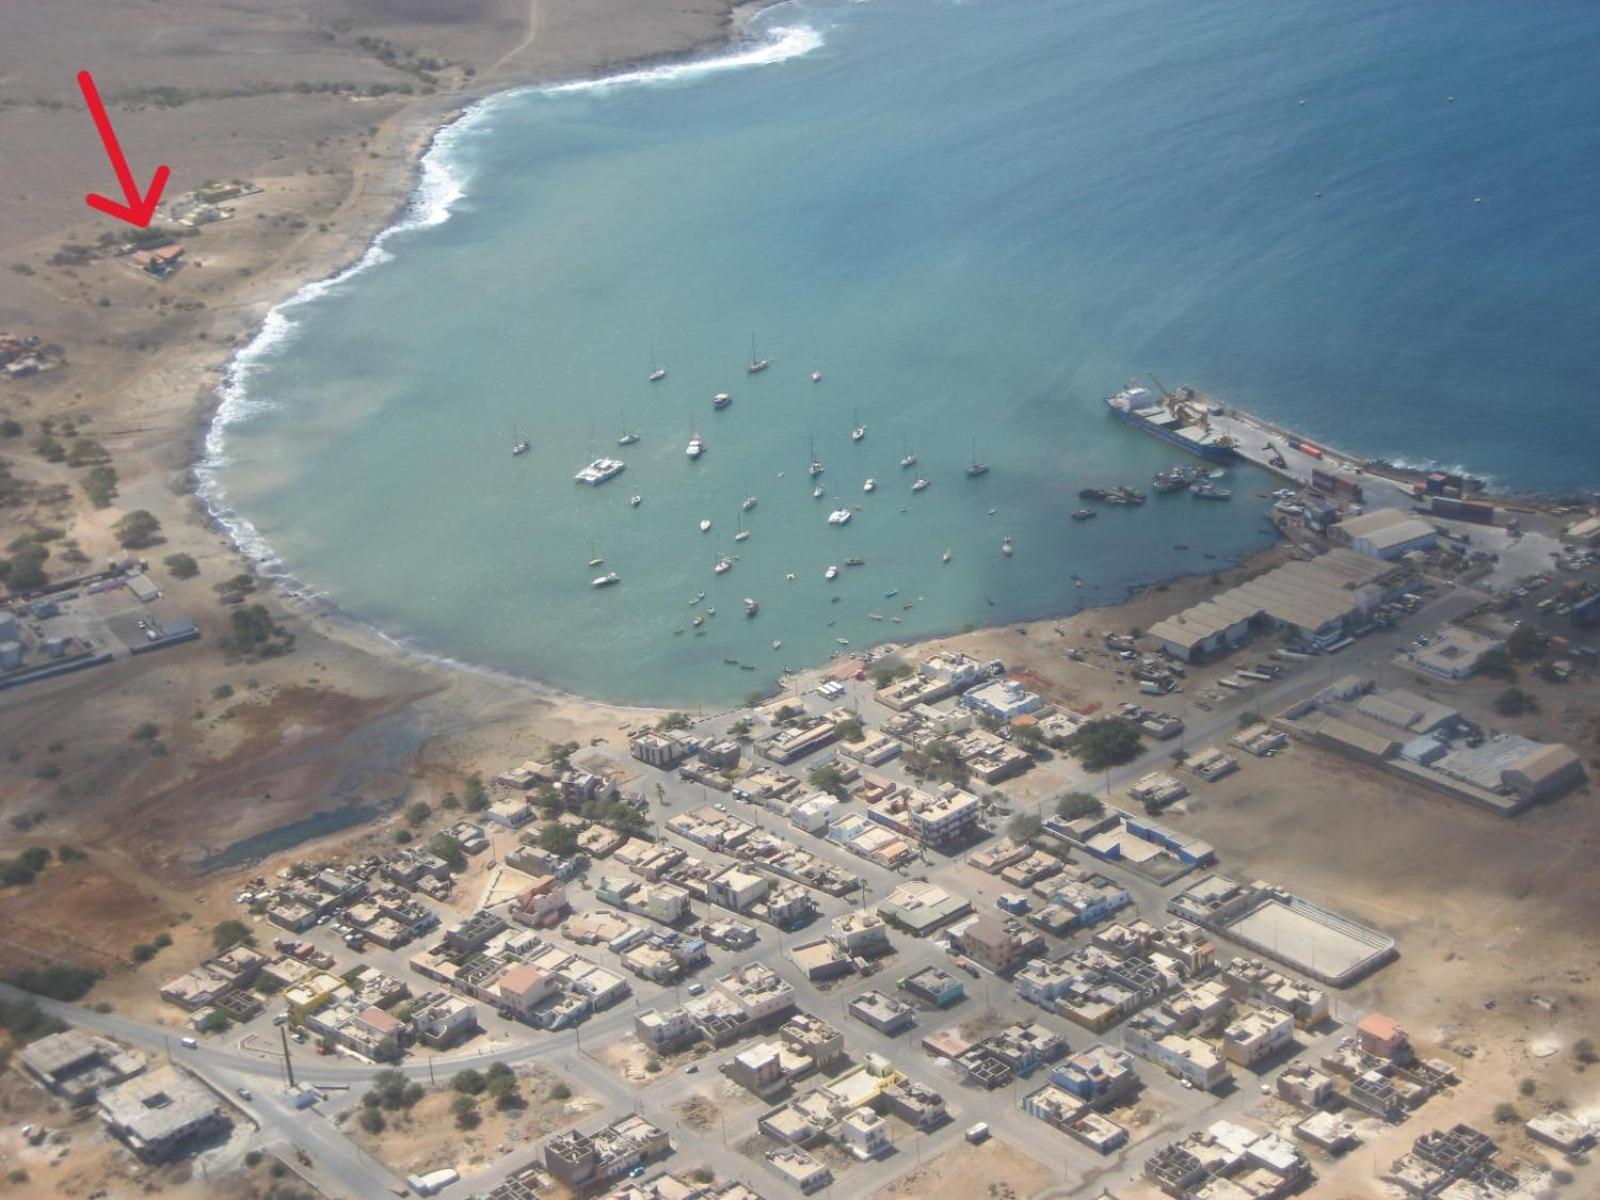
1382	1037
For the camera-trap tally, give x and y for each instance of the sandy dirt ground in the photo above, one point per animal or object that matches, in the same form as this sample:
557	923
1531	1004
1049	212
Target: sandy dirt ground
427	1137
992	1170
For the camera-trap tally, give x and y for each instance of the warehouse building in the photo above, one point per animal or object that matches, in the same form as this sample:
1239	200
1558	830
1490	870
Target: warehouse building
1318	602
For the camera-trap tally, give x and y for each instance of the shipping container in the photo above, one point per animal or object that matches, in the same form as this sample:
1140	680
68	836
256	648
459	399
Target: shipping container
1308	448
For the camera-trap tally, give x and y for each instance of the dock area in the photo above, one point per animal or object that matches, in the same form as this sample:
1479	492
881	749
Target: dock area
1277	450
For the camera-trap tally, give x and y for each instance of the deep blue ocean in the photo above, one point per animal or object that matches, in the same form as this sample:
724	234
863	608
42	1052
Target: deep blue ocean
1373	222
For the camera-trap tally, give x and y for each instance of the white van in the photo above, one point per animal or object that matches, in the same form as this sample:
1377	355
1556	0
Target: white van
188	1043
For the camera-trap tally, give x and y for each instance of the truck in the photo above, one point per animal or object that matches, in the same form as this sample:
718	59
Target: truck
433	1181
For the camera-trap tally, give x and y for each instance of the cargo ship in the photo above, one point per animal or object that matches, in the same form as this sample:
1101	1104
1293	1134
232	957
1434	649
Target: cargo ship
1180	420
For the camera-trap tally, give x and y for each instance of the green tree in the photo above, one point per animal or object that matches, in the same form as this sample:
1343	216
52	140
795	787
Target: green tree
561	1092
371	1119
137	529
1075	805
559	839
1505	1112
182	566
1106	742
469	1082
228	934
1584	1049
851	729
100	485
1513	702
1523	643
1024	827
477	796
86	452
673	720
417	812
827	777
465	1110
449	849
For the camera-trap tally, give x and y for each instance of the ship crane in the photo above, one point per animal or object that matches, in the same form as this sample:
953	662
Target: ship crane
1161	387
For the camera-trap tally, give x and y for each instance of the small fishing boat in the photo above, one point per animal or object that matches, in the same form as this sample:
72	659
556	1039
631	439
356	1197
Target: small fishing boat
628	438
756	364
696	446
818	492
840	516
721	400
1005	546
842	641
724	565
855	561
1210	491
606	580
749	503
520	445
705	524
946	557
635	501
1084	514
751	606
871	485
597	561
831	573
874	616
891	594
816	377
919	485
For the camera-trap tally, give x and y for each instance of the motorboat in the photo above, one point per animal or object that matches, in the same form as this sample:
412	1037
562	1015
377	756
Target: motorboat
606	580
751	606
721	400
840	516
831	573
855	561
818	492
919	485
635	501
705	524
946	557
910	460
628	438
742	536
1005	546
1085	514
724	565
749	503
816	377
871	485
696	446
600	470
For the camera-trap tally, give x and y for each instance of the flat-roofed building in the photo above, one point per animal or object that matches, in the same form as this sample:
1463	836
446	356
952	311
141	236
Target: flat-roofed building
1385	533
162	1114
1257	1035
77	1065
1177	1054
1099	1074
923	907
999	943
883	1012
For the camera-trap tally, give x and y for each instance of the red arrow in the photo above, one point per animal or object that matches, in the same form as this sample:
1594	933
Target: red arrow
139	208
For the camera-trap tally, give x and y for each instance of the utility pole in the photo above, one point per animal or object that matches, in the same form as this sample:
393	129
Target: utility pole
288	1065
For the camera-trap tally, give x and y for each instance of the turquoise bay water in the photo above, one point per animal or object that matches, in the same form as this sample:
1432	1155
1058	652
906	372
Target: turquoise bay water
977	219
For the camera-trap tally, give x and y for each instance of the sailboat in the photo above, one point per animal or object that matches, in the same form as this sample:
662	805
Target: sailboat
740	534
858	430
756	364
977	468
910	457
627	437
749	502
816	463
657	371
520	446
816	376
595	559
